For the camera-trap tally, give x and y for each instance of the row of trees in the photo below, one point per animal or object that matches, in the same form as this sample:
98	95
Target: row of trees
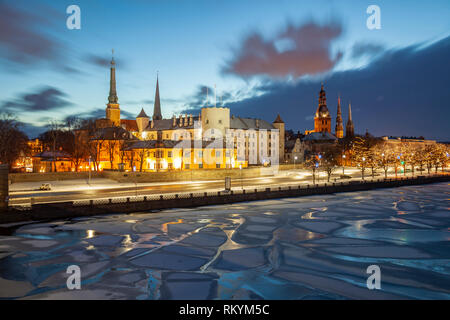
370	154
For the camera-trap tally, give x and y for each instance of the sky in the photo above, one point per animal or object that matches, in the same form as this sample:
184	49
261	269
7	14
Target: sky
263	57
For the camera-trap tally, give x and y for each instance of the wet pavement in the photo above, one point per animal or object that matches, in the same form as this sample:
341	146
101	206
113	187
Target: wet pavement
315	247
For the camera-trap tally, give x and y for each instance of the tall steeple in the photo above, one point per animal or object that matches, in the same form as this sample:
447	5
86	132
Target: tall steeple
112	98
349	128
113	109
157	107
339	130
322	119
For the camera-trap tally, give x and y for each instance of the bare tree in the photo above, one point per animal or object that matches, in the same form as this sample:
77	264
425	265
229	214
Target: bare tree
13	142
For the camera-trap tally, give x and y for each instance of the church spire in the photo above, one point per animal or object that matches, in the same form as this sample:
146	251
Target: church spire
112	98
349	128
157	107
339	130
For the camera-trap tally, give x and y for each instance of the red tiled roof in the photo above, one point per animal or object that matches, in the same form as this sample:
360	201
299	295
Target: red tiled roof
130	125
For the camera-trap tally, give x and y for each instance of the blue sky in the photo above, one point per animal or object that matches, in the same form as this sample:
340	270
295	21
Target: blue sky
192	44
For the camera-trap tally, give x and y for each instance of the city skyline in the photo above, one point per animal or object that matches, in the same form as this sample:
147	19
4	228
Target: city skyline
385	73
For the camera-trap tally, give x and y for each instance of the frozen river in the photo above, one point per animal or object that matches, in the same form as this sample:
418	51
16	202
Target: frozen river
315	247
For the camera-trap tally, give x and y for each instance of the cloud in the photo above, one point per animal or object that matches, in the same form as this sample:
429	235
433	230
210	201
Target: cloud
412	83
99	114
102	61
22	39
31	130
361	49
198	100
294	51
45	99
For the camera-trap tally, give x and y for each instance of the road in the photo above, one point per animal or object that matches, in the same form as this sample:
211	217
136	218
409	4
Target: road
23	198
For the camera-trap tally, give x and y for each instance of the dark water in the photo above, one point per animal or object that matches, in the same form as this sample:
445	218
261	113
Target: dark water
316	247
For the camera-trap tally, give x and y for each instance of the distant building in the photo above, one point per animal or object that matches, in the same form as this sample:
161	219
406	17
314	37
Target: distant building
322	119
52	161
395	141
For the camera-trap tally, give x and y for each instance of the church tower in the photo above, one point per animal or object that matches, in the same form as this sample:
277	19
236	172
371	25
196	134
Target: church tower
322	120
157	107
142	121
349	128
339	130
279	124
112	108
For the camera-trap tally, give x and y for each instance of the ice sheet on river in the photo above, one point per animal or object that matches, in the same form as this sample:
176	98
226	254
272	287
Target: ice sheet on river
315	247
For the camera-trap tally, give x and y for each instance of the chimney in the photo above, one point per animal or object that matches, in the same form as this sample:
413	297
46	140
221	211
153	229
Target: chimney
174	121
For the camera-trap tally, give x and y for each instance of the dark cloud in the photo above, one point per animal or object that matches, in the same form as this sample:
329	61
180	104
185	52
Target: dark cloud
361	49
22	39
31	130
305	50
45	99
402	92
99	113
198	100
102	61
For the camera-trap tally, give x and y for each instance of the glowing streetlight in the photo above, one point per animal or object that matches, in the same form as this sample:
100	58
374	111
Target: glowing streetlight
343	164
240	171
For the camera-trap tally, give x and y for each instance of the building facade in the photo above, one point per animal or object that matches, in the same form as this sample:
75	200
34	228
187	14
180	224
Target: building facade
211	139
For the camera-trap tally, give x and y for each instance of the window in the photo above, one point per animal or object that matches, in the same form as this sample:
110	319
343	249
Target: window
200	165
220	121
207	121
169	154
167	136
187	166
217	165
217	154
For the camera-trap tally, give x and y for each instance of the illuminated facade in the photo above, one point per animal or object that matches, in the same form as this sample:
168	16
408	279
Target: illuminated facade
322	119
212	139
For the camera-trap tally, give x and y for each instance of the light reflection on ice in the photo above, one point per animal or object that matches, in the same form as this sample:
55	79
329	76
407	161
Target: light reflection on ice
271	249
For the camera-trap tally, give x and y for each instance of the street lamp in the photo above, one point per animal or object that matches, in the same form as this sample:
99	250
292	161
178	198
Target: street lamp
89	170
343	164
295	158
363	168
318	172
240	171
